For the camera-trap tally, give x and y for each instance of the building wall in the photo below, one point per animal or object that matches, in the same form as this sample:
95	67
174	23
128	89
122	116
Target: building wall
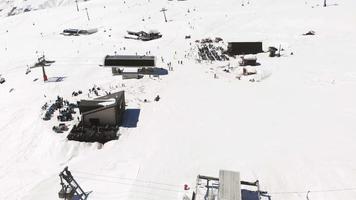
107	116
120	110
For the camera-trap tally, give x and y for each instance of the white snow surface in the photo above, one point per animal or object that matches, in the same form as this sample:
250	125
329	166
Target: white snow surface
108	102
20	6
294	130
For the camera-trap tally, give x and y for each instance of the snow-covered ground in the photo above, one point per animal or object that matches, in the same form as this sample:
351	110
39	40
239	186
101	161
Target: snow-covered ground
15	7
294	130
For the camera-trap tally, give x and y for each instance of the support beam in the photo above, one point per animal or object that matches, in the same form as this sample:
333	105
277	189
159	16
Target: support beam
217	179
208	178
44	74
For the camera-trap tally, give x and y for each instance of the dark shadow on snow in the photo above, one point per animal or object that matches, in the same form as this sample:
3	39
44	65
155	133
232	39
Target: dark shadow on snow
131	117
253	195
56	79
160	71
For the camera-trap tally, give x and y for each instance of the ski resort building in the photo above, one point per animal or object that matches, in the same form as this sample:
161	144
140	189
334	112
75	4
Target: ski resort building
243	48
101	118
118	64
228	186
106	110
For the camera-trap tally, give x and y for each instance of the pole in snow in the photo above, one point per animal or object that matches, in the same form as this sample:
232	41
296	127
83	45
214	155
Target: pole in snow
164	14
44	74
324	3
76	2
86	10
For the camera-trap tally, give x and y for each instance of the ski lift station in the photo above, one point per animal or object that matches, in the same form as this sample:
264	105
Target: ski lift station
121	64
228	186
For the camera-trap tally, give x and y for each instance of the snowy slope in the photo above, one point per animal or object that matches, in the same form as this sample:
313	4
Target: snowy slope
294	131
14	7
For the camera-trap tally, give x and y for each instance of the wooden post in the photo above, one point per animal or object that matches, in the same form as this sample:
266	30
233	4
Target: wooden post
324	3
164	14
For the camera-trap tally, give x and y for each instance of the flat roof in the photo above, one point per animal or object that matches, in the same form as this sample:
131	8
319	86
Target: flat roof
129	57
129	61
116	95
101	102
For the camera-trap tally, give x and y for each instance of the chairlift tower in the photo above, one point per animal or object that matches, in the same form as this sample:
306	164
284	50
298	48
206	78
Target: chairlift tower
41	61
70	187
164	14
44	74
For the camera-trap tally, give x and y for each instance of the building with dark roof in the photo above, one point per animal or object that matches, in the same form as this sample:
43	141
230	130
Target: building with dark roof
130	64
106	110
243	48
129	61
101	118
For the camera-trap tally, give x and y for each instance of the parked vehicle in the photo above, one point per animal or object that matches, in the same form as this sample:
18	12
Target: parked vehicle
60	128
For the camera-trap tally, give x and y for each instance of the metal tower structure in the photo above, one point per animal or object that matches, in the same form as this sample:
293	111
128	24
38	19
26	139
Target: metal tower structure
70	187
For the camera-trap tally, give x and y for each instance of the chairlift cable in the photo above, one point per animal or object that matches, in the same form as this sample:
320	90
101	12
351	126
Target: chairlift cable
313	191
133	184
139	180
